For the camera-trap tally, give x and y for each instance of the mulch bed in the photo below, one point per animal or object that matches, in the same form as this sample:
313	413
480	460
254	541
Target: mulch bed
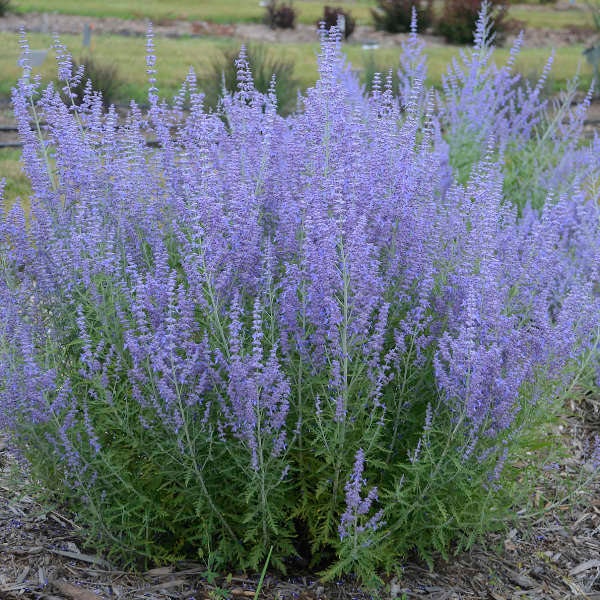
556	557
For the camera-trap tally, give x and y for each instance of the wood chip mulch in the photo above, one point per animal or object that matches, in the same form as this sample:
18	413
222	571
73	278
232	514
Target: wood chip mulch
556	557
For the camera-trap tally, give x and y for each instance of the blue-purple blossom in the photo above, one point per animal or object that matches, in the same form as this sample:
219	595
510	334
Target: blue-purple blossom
358	506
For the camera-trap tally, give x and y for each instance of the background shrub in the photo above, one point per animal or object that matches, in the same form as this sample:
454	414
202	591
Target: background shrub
5	6
331	334
405	83
280	15
459	18
331	15
104	78
395	16
376	73
593	7
265	65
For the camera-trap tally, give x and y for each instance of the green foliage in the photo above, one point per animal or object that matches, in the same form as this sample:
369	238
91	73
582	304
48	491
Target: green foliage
465	151
265	64
331	16
262	574
459	18
104	77
528	167
372	66
173	492
448	500
593	7
280	15
395	16
5	7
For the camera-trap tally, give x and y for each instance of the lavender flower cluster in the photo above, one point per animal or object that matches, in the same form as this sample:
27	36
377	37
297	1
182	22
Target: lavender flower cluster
264	321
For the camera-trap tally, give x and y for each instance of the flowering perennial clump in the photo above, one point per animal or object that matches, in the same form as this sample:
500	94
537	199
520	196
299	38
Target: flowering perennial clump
330	334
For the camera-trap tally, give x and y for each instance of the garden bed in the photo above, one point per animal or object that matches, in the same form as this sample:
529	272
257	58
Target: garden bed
447	421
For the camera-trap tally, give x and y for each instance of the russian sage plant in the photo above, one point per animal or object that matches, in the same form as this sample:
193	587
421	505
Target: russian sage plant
325	334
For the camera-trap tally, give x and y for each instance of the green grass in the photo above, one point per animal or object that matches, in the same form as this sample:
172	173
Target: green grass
309	11
547	17
17	184
218	11
176	55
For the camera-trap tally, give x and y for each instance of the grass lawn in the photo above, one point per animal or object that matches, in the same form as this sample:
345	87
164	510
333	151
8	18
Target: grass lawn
218	11
547	17
309	11
176	55
17	184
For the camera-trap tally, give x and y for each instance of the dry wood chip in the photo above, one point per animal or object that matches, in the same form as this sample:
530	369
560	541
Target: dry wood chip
159	572
195	571
20	549
395	589
166	585
15	510
527	592
241	592
582	517
13	587
447	595
575	589
95	560
70	570
75	592
63	520
246	580
585	566
520	580
23	575
72	547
